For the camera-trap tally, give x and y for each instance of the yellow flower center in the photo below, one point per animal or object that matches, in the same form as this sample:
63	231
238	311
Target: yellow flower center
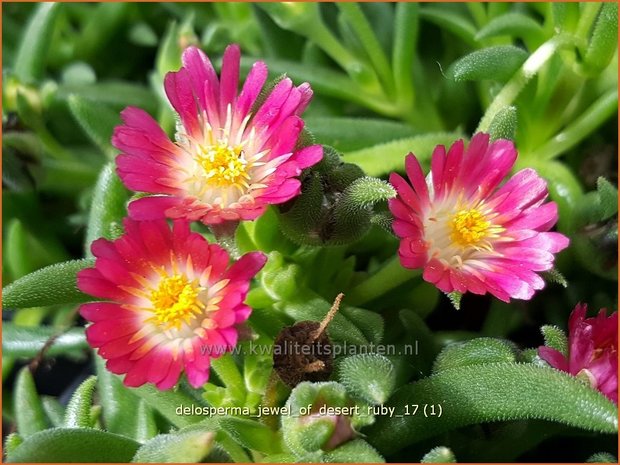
224	166
469	227
175	301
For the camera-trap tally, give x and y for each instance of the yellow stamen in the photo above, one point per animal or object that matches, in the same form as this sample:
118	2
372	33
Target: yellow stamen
224	166
469	227
175	301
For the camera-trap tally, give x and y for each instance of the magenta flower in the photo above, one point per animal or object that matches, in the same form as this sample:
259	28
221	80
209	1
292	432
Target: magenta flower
468	234
173	302
230	160
592	350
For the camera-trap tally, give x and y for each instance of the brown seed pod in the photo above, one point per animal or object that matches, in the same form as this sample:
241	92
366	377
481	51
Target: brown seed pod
303	352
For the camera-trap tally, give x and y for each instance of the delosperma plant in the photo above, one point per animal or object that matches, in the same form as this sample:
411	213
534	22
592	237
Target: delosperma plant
303	232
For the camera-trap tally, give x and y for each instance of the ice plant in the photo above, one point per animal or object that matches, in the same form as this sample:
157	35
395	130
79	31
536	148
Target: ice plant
229	160
592	350
467	232
173	302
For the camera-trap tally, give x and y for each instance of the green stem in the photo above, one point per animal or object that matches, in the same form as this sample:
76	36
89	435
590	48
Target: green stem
353	14
602	109
527	71
386	279
587	17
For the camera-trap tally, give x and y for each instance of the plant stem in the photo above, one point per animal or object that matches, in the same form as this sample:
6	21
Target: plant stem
386	279
602	109
527	71
587	17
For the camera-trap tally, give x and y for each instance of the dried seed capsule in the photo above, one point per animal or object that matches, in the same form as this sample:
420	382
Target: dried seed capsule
303	352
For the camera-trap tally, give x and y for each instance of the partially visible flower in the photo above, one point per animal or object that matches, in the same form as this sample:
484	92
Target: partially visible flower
592	350
230	160
173	302
468	233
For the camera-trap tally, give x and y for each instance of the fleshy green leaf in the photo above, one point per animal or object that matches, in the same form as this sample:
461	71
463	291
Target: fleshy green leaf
29	414
602	457
146	427
12	441
511	24
497	63
504	124
142	34
251	434
117	401
475	352
347	134
27	342
78	73
325	81
97	120
608	198
439	454
369	323
54	410
493	392
423	338
588	121
118	94
406	31
455	299
381	159
306	433
457	24
368	376
565	15
54	284
77	414
604	38
20	261
554	276
367	191
555	338
108	207
564	188
35	42
169	53
189	446
355	451
168	404
101	25
74	445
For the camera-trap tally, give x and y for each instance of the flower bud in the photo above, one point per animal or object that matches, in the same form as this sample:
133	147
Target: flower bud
335	206
322	418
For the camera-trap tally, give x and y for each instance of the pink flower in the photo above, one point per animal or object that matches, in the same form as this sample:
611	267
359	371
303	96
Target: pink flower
230	160
469	234
172	302
592	350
